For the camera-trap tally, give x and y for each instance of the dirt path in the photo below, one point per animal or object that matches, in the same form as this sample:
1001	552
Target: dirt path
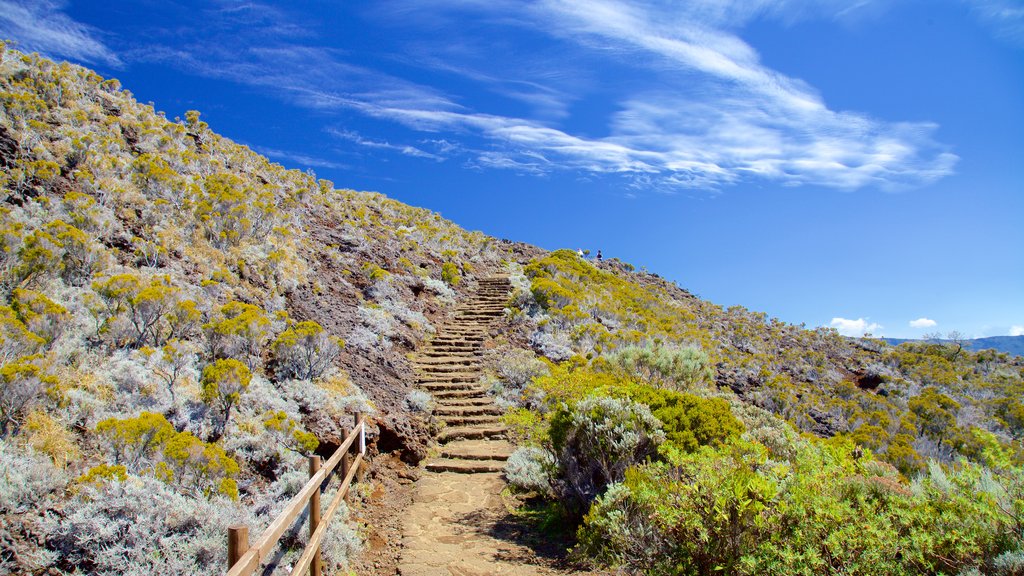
458	524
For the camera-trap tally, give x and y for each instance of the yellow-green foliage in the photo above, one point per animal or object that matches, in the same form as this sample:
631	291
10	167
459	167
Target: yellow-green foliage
687	420
151	307
736	510
223	383
575	293
240	330
16	340
289	433
50	437
102	473
233	210
374	272
40	315
149	443
305	350
22	384
450	274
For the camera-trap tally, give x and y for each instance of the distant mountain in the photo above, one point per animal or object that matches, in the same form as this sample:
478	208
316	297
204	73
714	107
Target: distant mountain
1009	344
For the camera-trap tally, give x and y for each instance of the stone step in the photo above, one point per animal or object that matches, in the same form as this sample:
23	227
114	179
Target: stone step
434	387
477	450
442	396
441	360
464	402
448	378
482	420
448	368
465	466
430	354
479	410
470	433
458	345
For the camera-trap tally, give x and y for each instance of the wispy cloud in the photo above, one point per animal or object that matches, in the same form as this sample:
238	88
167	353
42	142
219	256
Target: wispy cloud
405	149
858	327
1016	330
42	26
706	114
923	323
298	158
1005	17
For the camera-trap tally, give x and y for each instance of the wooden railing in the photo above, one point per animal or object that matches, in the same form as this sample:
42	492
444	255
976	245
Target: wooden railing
245	559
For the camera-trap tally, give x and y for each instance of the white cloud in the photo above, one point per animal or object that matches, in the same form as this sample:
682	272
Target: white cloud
1016	330
405	149
298	158
1005	17
705	114
858	327
923	323
42	27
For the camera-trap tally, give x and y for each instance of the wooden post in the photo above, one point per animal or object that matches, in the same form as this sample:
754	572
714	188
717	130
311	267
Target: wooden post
346	462
315	567
238	543
362	432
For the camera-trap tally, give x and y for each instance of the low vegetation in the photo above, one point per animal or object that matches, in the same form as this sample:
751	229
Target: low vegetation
161	374
681	438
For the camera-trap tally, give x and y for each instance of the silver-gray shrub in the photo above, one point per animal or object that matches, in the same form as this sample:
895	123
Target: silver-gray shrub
666	365
530	468
555	347
419	401
1009	564
513	370
595	442
142	526
26	478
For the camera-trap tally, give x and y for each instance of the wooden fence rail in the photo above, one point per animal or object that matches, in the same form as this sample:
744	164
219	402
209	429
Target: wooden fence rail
245	559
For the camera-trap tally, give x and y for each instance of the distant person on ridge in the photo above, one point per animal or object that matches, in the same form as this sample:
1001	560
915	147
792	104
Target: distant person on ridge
579	252
598	255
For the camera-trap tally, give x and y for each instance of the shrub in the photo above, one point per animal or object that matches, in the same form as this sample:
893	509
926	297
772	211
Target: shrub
419	401
305	351
151	308
41	316
450	274
141	526
175	358
687	420
678	367
223	383
50	437
16	340
149	443
240	331
22	384
289	434
26	478
733	510
530	468
595	442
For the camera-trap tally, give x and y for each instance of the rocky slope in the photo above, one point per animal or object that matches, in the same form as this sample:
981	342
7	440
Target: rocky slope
183	320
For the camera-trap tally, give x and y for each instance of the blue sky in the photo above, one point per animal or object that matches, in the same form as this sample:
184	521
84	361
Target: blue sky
857	164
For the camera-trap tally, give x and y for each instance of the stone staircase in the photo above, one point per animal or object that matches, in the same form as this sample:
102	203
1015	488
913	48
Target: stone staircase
473	440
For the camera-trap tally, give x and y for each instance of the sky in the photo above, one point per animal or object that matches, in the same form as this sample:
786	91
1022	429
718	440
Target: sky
854	164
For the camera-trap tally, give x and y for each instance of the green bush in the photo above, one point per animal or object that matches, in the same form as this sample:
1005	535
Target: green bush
678	367
687	420
149	444
733	510
594	442
450	274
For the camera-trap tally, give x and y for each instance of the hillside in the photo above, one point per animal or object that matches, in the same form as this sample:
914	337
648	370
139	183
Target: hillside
184	321
1012	345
